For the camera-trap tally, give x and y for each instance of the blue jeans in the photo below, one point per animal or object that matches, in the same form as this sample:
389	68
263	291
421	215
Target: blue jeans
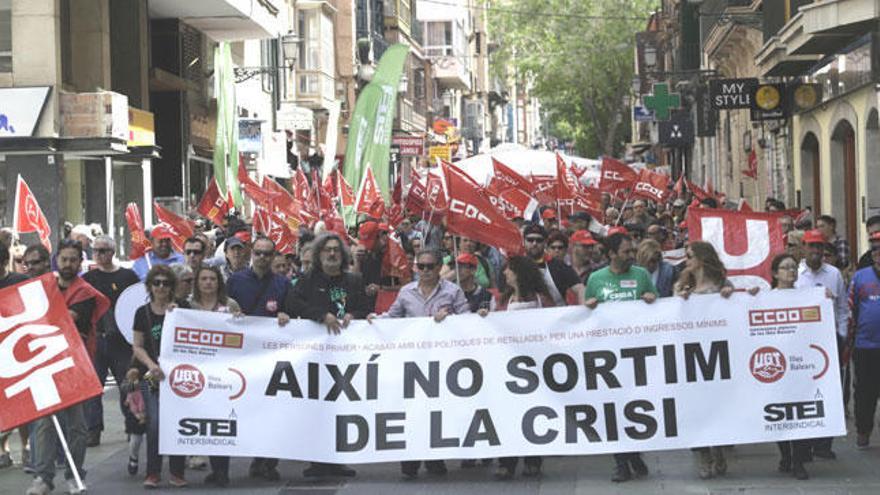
176	463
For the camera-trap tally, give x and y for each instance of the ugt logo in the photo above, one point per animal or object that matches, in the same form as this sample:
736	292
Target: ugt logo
44	343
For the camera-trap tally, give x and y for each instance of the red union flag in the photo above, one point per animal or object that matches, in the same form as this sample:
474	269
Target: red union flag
752	170
139	242
28	216
513	203
436	194
506	178
416	197
616	175
44	365
213	206
545	188
746	242
178	227
346	194
472	215
652	186
566	185
368	193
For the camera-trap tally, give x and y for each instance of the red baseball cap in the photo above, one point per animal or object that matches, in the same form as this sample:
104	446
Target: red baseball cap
582	237
466	259
617	230
683	225
875	237
243	236
548	214
814	237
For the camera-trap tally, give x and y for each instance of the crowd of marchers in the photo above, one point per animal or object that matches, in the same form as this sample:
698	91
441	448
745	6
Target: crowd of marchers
333	280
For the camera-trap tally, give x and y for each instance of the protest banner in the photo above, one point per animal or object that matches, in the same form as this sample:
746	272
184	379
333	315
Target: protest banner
746	242
556	381
44	366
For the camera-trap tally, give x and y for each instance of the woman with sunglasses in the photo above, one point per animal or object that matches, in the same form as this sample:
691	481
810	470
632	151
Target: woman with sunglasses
784	270
147	337
525	289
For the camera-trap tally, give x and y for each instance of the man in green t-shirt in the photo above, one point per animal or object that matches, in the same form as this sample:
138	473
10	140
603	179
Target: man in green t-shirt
621	281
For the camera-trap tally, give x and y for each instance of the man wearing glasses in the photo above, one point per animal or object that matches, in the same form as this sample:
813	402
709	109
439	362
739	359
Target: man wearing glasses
558	276
113	352
194	252
259	292
36	260
429	296
161	254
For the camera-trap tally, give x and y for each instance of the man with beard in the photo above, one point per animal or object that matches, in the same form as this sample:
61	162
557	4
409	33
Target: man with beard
621	281
161	254
330	295
85	305
558	276
814	272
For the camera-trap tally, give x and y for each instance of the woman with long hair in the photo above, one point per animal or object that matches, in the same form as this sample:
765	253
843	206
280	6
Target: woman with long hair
704	273
147	337
784	270
525	290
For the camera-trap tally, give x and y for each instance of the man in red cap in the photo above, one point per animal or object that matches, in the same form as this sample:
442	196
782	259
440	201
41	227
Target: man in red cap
161	254
582	246
479	299
549	218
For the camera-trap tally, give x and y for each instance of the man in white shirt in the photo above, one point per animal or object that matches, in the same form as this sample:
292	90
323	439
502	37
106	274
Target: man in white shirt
813	272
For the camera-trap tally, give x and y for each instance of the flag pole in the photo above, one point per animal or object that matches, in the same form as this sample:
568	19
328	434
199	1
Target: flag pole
15	207
73	468
625	202
455	259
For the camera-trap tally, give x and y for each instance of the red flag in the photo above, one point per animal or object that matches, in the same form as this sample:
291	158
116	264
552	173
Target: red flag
678	188
213	206
139	242
746	242
566	185
435	194
416	199
472	215
377	209
745	206
394	261
28	216
513	203
319	201
260	220
46	367
545	188
698	192
505	177
752	170
652	185
395	215
616	175
180	228
368	193
329	185
280	199
397	192
253	190
301	190
281	235
345	192
577	171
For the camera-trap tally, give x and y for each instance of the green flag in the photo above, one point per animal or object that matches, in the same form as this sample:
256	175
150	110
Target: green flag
226	146
369	134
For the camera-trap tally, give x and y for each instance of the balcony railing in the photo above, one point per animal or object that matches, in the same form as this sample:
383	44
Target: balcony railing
315	89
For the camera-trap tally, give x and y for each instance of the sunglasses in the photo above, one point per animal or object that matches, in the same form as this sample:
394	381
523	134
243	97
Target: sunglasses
557	247
193	252
534	239
161	282
264	254
426	266
20	261
35	262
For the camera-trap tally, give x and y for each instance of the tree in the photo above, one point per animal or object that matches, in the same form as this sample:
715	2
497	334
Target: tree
577	58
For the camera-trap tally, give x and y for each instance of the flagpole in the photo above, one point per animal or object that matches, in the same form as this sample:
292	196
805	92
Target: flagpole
620	215
15	208
455	258
74	469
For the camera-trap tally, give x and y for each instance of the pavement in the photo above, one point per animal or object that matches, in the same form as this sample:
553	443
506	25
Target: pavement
752	471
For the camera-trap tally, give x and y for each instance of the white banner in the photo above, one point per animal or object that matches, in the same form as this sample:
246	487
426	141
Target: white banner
559	381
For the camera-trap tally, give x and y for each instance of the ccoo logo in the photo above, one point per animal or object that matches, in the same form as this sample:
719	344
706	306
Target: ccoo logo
767	364
187	381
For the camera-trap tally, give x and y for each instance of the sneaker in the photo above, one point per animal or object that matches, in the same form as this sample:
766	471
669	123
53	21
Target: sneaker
719	463
74	489
177	481
5	460
409	475
217	479
639	468
132	466
503	473
315	470
531	471
28	469
152	481
799	472
825	454
621	474
705	470
784	466
271	474
94	438
862	440
39	487
197	462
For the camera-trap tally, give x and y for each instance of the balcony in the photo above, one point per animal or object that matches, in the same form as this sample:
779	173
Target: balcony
776	57
224	20
451	71
314	89
830	25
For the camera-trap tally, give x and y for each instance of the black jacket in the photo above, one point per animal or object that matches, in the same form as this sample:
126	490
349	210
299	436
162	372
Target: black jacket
311	298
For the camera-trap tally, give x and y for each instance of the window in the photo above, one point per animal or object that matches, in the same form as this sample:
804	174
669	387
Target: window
268	58
5	35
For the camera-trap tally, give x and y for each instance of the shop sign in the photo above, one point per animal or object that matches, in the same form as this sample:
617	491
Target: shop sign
250	136
769	102
292	117
730	94
141	128
443	151
20	110
409	145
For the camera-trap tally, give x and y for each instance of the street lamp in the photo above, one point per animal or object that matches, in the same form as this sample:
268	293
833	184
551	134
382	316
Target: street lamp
289	45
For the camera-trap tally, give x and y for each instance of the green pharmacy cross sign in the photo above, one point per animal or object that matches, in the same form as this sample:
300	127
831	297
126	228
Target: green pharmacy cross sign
662	101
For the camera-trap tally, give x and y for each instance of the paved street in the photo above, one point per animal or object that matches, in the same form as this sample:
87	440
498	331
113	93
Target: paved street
752	471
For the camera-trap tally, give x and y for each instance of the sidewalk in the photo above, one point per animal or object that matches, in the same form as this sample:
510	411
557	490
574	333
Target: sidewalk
752	471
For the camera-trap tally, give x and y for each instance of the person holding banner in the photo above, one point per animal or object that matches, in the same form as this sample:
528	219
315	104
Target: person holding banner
161	254
330	295
784	270
147	337
526	289
558	276
621	281
429	296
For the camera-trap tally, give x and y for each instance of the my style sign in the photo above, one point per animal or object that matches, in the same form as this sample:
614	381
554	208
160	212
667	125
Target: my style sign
558	381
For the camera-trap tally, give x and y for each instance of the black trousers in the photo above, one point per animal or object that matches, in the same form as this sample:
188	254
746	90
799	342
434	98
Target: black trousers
624	460
412	467
219	465
794	452
867	387
511	462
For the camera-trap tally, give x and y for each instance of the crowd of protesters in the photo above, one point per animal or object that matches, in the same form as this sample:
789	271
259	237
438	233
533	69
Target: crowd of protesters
333	280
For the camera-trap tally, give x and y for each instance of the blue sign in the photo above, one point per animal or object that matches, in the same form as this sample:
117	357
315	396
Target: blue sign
642	114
